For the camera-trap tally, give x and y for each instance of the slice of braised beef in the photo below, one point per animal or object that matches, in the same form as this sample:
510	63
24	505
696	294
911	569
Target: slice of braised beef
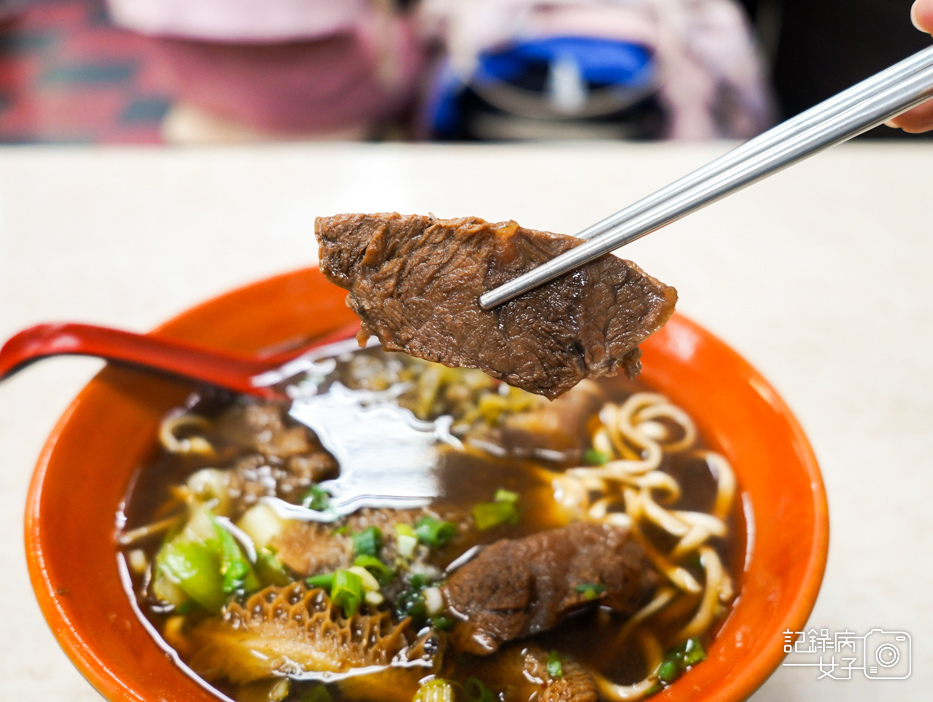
415	282
519	587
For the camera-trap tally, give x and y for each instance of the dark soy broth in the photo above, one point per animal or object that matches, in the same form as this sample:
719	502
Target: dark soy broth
223	460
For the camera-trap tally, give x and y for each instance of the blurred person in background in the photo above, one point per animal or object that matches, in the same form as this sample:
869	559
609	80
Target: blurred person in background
508	69
266	69
639	69
10	9
502	69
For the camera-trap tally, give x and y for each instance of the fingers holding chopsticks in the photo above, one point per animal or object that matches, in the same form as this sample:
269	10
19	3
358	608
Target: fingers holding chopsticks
921	14
919	119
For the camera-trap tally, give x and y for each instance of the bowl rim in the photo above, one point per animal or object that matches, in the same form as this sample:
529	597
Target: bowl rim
83	656
760	668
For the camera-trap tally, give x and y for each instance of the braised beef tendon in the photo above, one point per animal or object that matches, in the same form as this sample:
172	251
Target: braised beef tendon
415	282
574	551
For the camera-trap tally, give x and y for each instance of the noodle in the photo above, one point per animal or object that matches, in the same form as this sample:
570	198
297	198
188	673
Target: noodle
725	480
169	439
708	605
653	656
133	536
662	598
635	436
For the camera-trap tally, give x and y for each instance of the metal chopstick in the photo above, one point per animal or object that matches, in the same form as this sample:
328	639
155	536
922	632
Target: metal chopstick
838	119
832	106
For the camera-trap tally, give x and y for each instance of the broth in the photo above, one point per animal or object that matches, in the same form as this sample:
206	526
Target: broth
505	466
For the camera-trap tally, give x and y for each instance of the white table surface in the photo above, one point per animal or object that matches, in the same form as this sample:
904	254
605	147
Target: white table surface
821	276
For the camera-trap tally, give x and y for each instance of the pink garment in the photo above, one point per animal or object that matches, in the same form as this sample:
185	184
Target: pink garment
283	65
241	20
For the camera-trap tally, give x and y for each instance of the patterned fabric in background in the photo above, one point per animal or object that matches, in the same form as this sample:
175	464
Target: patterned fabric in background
68	76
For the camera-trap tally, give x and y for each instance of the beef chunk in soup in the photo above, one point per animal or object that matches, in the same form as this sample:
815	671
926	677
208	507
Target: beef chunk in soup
271	455
262	427
415	282
518	587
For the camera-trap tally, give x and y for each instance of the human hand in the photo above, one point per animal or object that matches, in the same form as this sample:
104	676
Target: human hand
919	119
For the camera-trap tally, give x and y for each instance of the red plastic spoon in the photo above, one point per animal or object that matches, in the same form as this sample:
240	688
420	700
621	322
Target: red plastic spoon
228	370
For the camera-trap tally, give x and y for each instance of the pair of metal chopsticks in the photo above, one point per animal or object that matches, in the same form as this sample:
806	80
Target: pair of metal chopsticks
860	108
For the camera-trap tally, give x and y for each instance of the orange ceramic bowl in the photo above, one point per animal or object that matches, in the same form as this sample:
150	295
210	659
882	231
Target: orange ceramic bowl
85	469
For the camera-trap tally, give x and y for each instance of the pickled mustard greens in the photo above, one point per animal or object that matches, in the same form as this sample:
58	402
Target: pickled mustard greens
577	549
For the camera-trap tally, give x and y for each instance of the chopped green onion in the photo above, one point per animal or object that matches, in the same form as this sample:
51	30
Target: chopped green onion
380	570
418	581
443	623
590	591
487	515
693	651
204	562
476	691
410	603
434	600
347	591
406	545
316	499
434	532
342	529
672	666
270	569
595	457
234	567
324	581
368	542
554	667
368	581
653	690
503	510
669	670
406	540
679	659
195	568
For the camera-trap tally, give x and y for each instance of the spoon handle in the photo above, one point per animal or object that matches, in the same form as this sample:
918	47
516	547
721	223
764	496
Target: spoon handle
223	368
